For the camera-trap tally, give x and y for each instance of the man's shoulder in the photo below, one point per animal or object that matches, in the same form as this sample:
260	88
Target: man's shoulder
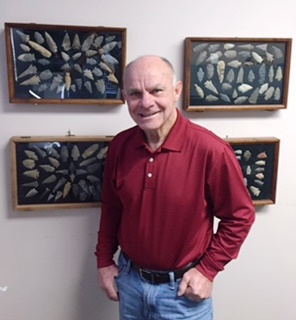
126	133
124	136
204	135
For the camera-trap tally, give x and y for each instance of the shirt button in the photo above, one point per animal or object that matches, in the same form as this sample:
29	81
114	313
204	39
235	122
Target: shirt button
151	159
149	175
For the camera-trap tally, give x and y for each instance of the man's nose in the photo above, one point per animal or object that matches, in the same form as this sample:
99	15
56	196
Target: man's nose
146	100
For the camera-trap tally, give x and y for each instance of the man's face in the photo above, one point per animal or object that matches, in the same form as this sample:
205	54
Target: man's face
151	94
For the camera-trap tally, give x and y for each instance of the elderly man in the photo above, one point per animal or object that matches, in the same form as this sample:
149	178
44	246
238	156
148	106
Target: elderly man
165	180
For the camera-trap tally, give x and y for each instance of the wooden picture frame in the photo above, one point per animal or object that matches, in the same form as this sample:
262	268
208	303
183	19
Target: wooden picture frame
57	171
54	64
258	158
226	74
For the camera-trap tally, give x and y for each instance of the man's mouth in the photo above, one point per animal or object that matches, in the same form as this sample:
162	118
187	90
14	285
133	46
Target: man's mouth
142	115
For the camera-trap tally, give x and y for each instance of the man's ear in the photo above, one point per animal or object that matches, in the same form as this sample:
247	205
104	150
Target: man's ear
178	90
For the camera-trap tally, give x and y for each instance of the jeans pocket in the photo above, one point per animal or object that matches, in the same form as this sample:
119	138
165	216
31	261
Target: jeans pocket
123	266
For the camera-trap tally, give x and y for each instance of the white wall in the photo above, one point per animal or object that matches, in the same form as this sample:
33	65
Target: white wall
46	258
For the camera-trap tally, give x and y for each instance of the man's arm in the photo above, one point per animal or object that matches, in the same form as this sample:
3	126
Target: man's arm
231	203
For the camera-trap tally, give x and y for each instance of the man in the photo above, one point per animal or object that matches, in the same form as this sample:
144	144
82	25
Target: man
164	182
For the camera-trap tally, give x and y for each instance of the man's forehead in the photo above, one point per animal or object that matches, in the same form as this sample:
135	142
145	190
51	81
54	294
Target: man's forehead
147	75
146	80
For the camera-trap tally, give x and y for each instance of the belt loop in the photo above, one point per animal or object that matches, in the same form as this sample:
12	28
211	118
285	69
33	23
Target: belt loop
172	280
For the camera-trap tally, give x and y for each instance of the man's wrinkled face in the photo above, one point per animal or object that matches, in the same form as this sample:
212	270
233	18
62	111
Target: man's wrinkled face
151	93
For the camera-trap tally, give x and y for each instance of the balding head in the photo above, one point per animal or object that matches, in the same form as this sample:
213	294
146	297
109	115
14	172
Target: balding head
148	60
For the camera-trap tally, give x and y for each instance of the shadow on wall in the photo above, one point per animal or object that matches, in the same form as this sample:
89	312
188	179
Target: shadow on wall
92	303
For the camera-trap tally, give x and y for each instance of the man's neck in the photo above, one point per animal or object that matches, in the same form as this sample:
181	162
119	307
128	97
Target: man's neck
156	138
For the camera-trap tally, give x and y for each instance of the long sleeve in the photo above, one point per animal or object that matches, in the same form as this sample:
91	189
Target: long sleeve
110	215
232	205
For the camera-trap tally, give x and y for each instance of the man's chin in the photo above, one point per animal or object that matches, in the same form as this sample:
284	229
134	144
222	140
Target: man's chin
148	122
148	126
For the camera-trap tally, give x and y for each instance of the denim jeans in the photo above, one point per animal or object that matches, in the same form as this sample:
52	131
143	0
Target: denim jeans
141	300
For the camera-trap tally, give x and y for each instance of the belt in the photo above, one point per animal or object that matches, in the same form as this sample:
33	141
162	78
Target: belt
158	277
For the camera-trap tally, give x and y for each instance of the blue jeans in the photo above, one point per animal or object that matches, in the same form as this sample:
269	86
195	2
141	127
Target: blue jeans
141	300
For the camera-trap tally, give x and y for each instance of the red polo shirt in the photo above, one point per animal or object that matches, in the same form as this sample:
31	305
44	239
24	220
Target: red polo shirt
159	206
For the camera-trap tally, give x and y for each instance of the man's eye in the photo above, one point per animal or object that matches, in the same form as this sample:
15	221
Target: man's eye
134	94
